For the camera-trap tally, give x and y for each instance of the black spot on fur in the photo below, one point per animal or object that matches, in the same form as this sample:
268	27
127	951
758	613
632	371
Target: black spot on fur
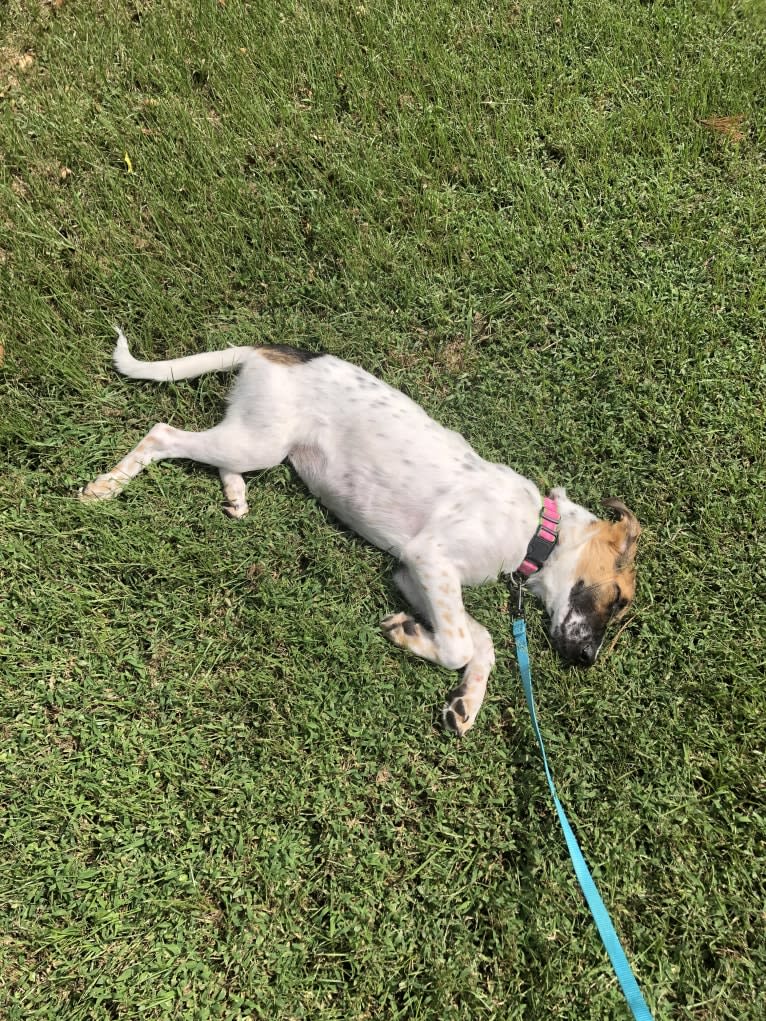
458	708
583	627
457	692
410	627
297	353
450	721
582	600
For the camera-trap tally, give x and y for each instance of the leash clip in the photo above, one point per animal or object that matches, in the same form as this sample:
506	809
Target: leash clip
518	580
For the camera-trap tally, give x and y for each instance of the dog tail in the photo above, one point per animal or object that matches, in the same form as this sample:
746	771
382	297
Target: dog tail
177	368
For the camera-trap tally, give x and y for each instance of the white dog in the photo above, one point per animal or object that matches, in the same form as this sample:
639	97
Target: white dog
411	487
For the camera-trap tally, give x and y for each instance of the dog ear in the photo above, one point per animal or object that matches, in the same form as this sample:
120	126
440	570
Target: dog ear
626	528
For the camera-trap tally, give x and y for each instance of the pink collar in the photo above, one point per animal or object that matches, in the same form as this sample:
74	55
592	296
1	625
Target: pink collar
543	541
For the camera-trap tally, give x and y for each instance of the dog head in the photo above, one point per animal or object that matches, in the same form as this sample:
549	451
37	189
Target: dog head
590	578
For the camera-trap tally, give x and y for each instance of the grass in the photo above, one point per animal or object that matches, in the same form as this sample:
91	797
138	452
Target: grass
223	794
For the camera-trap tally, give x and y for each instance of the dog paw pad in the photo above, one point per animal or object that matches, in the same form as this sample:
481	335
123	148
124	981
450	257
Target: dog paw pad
457	715
398	627
103	488
236	510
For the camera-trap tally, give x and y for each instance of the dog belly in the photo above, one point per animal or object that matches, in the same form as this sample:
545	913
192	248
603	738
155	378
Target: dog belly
389	529
366	498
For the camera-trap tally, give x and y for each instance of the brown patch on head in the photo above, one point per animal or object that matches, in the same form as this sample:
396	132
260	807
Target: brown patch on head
283	354
606	566
602	588
626	520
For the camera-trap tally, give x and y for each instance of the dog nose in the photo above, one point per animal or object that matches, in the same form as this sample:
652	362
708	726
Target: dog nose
587	655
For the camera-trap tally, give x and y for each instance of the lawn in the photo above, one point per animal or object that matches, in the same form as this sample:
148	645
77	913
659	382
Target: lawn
223	794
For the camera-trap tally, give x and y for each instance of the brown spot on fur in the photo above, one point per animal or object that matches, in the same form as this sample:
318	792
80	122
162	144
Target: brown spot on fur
283	354
606	565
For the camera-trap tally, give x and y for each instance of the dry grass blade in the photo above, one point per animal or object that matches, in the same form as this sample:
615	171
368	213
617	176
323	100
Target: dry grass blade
731	127
617	637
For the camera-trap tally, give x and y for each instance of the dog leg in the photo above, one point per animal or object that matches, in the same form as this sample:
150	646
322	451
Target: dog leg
153	447
225	447
448	643
235	491
398	626
463	702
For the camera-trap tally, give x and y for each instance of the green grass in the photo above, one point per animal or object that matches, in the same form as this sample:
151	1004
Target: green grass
223	794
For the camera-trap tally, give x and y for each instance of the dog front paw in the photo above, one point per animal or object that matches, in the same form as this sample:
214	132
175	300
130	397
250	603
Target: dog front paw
236	510
401	629
405	632
460	711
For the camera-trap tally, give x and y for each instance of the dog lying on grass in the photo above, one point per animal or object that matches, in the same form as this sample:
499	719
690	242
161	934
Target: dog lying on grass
412	488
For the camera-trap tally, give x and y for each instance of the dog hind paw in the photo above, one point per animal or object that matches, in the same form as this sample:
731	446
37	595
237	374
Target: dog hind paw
102	488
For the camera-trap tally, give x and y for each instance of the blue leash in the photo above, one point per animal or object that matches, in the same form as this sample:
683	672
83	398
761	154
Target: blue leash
609	937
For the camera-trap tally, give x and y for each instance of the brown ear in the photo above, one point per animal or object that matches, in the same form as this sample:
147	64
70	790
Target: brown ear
626	528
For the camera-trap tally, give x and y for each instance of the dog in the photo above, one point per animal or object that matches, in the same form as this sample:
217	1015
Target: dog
411	487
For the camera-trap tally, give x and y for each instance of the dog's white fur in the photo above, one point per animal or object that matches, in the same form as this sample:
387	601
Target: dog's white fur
392	474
